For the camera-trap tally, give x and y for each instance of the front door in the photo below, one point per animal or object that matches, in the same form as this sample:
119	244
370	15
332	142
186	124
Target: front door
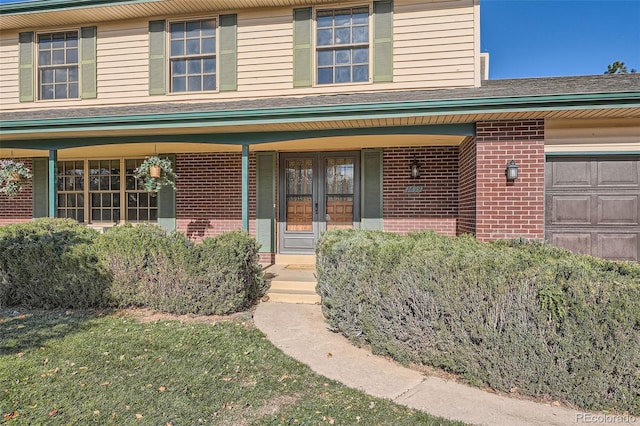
320	191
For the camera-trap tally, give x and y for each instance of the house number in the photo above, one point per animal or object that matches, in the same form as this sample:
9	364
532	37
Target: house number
413	189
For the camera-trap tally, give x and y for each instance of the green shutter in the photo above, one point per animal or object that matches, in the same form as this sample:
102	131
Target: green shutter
383	41
157	59
228	57
266	200
302	75
25	66
40	169
167	202
372	189
88	69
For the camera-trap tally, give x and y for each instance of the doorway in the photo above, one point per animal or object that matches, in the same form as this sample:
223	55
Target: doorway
319	191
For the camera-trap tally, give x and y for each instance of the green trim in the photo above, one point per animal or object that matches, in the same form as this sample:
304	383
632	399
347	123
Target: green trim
167	201
40	167
245	187
266	201
58	5
53	188
338	112
590	153
253	138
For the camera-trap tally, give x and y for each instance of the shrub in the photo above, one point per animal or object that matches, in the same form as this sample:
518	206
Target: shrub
510	315
50	263
169	273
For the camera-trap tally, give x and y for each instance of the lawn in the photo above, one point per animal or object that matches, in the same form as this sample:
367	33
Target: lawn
96	367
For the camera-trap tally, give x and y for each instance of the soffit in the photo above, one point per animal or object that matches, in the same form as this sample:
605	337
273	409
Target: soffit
83	15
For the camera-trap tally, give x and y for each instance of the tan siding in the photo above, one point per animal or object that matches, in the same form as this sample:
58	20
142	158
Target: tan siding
434	47
589	135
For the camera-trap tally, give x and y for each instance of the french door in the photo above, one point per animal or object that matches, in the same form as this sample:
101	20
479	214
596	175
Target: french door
319	191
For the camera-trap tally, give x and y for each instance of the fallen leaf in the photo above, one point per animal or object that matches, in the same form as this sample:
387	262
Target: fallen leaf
96	412
46	361
20	354
162	389
105	383
226	379
11	415
139	416
53	413
372	404
329	354
331	420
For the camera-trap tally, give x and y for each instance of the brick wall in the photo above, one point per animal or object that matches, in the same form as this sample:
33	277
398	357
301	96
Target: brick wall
209	193
19	208
436	206
467	191
510	209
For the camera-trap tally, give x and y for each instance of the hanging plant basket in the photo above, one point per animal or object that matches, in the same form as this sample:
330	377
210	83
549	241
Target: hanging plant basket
12	176
154	173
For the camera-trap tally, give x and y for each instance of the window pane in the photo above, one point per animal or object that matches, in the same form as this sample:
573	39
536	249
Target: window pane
95	215
360	56
73	90
194	66
72	56
361	34
325	37
209	82
179	84
62	200
208	28
95	200
44	41
325	57
325	19
44	58
177	30
343	74
177	47
193	29
208	45
343	57
130	183
47	76
361	73
106	200
73	74
72	39
143	215
132	215
209	66
325	75
143	200
195	83
343	18
193	47
115	183
343	36
58	41
61	91
47	92
58	57
153	215
61	75
179	67
360	16
115	200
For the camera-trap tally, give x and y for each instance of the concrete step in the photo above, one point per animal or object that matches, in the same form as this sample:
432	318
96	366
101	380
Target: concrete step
312	299
296	286
295	259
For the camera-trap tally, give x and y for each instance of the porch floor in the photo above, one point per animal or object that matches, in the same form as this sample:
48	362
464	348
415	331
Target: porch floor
292	283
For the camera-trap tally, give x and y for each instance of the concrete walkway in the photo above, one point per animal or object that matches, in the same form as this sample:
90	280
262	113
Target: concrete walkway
301	332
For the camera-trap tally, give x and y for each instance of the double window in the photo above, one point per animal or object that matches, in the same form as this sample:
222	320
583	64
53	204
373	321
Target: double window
58	65
103	191
192	56
342	45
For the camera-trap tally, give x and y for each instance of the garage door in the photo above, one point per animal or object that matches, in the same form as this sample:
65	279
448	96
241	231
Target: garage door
592	205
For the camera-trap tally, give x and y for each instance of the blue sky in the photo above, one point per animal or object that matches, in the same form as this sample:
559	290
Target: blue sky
545	38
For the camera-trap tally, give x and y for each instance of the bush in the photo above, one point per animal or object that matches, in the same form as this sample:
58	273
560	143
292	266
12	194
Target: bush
510	315
171	274
50	263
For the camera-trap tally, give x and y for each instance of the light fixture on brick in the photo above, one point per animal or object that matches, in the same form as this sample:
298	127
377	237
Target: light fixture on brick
415	168
512	170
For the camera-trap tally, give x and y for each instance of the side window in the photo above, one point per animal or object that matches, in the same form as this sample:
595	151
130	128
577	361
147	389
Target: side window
192	56
342	45
58	65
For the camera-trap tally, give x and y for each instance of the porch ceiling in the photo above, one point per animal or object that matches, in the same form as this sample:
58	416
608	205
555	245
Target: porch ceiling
43	13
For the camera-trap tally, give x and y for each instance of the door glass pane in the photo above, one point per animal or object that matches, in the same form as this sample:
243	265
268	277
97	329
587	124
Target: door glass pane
299	194
339	174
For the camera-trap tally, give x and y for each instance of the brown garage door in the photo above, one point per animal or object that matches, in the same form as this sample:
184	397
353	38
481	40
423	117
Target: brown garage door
592	205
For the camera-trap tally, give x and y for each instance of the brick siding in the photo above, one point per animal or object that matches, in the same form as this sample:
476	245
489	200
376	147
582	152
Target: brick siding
467	191
510	209
436	206
19	208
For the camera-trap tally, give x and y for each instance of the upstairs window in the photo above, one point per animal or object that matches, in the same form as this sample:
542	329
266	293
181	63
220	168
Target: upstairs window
192	62
342	45
58	65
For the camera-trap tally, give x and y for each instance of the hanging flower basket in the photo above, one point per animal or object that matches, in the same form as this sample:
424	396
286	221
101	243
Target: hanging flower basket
154	173
12	176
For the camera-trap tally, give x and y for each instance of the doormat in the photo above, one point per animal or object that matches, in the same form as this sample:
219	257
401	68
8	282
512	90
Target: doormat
300	266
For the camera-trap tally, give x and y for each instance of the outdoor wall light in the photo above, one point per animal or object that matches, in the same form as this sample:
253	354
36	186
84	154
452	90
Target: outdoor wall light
415	168
512	170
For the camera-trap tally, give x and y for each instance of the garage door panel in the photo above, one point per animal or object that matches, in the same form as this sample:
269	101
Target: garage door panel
618	173
572	174
576	242
617	210
618	246
571	210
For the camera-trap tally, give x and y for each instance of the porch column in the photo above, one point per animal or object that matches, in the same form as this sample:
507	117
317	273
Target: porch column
245	187
53	175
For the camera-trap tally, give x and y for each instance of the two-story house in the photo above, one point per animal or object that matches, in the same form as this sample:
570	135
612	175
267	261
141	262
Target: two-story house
290	117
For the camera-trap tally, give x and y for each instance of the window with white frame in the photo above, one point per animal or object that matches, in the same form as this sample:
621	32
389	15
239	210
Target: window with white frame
192	56
342	45
58	65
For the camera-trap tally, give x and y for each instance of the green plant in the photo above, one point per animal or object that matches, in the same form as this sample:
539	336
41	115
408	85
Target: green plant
12	173
154	184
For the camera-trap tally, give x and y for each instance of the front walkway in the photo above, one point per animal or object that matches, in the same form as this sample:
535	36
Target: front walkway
301	332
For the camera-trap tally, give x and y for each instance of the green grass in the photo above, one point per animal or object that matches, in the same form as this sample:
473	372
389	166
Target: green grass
96	368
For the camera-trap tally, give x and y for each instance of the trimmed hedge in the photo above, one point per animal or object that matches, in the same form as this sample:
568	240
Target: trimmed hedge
58	263
515	316
50	263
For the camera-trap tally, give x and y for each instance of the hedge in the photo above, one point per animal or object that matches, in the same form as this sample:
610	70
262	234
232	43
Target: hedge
58	263
518	317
